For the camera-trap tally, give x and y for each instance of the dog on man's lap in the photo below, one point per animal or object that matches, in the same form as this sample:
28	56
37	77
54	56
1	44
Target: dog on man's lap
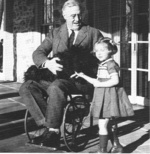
72	61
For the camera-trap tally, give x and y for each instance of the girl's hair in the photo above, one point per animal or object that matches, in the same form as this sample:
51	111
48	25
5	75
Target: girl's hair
112	46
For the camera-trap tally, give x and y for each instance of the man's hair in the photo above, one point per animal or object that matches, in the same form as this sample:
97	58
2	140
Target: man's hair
71	3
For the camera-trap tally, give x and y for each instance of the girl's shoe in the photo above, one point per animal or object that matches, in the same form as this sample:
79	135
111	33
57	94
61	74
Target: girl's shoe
117	147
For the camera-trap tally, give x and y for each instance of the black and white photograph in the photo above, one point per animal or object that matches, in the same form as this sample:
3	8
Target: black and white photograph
75	76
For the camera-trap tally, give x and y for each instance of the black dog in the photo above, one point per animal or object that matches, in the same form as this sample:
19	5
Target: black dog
72	61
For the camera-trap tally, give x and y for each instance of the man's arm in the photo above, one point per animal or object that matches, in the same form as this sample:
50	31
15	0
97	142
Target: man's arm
97	35
40	55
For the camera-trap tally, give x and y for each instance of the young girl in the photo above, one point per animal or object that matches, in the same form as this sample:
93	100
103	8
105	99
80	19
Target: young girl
109	100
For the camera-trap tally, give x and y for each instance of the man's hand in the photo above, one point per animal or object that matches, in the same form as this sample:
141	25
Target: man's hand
53	66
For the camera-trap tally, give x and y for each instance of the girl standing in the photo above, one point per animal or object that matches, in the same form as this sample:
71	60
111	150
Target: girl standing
109	99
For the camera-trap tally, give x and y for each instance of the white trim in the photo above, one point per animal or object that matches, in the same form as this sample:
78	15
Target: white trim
149	46
138	69
134	66
139	100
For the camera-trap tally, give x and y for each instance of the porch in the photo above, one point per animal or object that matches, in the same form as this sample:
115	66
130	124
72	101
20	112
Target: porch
133	131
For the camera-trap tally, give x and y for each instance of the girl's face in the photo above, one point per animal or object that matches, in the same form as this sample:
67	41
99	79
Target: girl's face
102	52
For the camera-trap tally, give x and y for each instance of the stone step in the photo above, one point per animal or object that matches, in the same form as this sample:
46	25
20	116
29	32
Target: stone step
10	101
10	85
8	90
11	104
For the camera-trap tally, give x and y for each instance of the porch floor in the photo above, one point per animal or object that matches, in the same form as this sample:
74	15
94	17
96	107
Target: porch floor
133	131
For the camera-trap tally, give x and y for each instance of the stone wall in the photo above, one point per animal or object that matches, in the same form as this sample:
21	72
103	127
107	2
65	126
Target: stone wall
25	35
24	15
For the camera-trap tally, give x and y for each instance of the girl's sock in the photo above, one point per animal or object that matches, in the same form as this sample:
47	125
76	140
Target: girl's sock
102	123
103	135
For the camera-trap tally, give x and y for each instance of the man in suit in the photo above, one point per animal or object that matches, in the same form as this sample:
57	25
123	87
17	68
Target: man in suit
72	34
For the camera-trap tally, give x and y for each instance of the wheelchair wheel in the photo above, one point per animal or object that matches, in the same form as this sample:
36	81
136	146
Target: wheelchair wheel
74	129
31	128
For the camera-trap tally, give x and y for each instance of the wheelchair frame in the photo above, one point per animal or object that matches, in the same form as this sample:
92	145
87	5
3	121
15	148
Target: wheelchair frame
74	127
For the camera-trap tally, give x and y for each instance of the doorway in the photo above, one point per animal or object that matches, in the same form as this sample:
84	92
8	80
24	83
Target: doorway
130	23
1	36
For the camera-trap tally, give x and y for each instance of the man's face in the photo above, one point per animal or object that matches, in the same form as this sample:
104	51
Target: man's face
72	15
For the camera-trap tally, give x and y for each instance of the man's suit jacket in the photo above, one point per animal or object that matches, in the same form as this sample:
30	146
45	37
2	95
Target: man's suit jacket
57	41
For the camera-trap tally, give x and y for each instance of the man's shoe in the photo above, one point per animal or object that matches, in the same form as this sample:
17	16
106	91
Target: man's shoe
51	139
36	140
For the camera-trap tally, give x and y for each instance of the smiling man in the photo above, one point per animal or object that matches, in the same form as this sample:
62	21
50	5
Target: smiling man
72	35
72	15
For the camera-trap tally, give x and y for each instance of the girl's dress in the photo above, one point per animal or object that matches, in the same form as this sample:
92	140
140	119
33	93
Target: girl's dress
112	101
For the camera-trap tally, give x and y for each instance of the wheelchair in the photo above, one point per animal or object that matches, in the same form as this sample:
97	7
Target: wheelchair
75	125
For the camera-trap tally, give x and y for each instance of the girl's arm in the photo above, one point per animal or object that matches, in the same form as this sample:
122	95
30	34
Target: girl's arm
87	78
114	80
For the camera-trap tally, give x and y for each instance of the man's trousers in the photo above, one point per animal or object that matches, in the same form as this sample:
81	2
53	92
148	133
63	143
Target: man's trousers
46	100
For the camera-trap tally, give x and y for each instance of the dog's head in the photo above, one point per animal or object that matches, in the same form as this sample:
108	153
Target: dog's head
77	61
72	61
31	73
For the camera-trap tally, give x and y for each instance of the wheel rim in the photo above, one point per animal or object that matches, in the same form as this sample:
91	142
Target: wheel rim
73	131
31	128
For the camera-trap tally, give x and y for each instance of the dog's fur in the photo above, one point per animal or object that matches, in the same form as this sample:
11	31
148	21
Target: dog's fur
72	61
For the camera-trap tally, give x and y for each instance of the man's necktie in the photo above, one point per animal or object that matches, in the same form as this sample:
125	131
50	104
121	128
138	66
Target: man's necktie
71	39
